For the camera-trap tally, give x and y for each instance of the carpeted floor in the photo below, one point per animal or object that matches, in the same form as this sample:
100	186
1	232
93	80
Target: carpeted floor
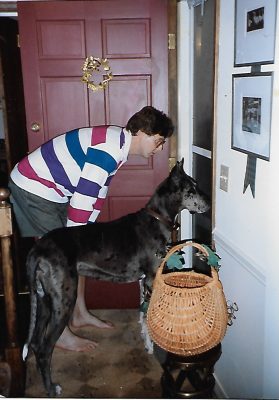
120	367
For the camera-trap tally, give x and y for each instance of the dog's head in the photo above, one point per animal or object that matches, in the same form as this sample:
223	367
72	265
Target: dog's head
186	191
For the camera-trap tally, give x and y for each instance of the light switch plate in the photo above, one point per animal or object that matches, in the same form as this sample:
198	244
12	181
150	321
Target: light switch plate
224	178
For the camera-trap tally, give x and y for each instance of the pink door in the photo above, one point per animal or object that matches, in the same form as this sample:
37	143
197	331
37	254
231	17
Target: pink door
55	39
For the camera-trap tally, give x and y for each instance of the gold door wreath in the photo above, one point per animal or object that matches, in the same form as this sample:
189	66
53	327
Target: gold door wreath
92	64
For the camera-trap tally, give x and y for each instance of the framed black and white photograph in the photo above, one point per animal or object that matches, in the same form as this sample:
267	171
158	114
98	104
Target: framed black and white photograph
255	22
251	116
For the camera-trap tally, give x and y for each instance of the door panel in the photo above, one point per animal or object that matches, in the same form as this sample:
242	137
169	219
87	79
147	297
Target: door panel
115	33
136	88
56	37
69	39
67	92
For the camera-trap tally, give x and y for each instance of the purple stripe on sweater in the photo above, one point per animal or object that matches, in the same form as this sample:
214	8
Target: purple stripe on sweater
26	170
55	167
108	180
88	188
122	139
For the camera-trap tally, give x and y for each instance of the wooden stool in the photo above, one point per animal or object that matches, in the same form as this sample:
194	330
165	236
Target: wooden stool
188	376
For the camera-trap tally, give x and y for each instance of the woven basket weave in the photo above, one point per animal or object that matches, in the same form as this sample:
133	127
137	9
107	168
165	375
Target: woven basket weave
187	314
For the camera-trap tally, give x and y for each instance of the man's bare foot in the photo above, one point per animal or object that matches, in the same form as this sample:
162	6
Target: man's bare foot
85	318
69	341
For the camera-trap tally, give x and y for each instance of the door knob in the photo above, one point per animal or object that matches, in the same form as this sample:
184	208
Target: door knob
35	127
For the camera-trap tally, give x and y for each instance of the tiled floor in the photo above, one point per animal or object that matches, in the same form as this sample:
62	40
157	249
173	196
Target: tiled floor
120	367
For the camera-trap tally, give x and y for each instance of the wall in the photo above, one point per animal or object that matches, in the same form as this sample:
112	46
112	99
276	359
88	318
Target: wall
245	232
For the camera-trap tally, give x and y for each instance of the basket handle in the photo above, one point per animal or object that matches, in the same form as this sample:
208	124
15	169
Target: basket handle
188	244
185	244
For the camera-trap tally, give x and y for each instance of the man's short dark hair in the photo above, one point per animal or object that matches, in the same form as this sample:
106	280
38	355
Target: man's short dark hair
150	121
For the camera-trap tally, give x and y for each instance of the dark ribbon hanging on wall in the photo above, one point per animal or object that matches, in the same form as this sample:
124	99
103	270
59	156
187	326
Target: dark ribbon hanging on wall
250	174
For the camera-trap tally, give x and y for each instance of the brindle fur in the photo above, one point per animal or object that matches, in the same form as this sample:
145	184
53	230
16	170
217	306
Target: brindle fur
118	251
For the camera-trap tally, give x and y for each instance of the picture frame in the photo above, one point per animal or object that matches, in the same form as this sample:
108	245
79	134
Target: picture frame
255	28
251	113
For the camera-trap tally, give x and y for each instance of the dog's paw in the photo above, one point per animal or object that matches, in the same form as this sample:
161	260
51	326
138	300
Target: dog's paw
55	390
25	352
58	390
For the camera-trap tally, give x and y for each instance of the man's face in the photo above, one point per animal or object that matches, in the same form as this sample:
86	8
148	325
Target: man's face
150	145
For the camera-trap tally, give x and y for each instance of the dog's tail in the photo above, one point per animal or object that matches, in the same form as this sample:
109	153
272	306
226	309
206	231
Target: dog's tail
36	289
33	313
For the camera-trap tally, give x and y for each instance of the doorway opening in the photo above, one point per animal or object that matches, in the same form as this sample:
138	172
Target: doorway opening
204	22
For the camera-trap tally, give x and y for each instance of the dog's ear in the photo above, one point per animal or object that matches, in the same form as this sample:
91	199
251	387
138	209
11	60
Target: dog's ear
177	173
179	167
180	164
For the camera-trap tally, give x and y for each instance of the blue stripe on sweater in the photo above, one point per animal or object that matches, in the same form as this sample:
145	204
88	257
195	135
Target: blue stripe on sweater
74	147
101	159
55	167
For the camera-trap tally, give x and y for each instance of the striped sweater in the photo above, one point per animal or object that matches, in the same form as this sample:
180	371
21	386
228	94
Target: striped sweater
78	165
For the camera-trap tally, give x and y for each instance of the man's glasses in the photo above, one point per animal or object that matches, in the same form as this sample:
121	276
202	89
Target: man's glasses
159	143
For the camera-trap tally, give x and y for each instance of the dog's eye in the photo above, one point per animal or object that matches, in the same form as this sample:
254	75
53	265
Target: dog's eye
192	190
194	182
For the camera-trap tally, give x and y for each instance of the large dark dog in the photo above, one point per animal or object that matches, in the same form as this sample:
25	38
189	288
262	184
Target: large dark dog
119	251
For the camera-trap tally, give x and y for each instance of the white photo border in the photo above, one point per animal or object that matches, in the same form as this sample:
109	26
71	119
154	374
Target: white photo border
251	113
254	44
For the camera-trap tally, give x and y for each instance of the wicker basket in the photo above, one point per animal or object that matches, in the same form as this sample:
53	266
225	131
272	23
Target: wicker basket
187	314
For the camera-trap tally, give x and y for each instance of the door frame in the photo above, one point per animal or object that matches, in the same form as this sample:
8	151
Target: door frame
185	39
172	78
